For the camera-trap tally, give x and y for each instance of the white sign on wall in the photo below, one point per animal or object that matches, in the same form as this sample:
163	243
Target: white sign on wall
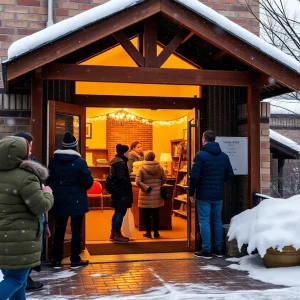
237	150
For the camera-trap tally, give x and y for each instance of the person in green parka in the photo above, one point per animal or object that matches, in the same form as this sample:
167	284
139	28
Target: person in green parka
22	202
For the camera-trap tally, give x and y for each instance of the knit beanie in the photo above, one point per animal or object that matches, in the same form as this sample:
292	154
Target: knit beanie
121	149
69	140
25	136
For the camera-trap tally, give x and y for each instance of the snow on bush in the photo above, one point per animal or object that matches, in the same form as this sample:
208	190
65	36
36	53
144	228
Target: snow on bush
274	223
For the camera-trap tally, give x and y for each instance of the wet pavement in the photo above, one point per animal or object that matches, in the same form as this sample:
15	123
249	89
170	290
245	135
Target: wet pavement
155	279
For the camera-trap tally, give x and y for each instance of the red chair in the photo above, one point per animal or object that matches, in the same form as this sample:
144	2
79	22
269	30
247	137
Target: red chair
96	192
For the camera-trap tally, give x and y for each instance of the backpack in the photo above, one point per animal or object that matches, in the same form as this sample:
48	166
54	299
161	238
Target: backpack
110	183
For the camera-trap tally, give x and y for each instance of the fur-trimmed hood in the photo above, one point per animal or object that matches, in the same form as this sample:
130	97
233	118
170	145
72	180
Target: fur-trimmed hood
67	152
66	155
35	168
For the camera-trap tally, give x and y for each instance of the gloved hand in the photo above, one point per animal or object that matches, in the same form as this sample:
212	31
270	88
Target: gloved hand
149	189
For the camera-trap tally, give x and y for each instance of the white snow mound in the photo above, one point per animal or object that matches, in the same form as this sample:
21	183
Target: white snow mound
273	223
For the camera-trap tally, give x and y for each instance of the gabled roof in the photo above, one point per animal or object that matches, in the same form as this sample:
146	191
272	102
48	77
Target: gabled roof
283	147
203	21
63	28
290	107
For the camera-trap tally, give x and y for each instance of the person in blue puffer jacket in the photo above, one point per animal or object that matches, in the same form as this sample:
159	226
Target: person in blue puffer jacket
70	179
211	168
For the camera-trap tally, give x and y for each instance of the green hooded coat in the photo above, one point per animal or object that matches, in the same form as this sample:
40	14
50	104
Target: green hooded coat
22	202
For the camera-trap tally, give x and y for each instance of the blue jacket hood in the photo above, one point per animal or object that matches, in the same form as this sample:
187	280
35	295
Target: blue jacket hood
212	148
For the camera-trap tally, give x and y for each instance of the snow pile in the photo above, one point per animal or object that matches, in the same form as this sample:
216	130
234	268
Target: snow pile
284	140
281	276
273	223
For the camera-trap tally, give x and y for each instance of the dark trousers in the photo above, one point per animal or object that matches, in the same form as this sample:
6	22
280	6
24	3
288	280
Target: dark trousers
117	219
154	213
59	236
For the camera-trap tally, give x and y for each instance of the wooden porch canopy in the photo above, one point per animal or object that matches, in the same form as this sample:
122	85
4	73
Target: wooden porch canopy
223	53
221	56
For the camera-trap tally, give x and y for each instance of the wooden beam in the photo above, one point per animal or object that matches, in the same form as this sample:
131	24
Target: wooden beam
136	102
264	81
150	43
253	108
130	48
37	113
188	37
145	75
172	46
218	55
230	44
89	35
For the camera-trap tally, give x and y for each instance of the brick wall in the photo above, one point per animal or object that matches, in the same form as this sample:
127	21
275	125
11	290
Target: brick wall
19	18
126	133
10	125
14	114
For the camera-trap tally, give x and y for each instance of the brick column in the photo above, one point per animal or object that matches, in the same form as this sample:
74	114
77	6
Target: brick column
265	155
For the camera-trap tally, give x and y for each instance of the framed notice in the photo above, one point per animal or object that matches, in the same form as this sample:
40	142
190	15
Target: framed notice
88	130
237	150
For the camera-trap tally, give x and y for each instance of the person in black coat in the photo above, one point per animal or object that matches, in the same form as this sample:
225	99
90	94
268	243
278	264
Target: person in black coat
211	168
70	178
121	197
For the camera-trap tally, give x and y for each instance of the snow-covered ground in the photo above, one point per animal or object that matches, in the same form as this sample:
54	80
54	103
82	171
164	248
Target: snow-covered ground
282	276
197	292
186	291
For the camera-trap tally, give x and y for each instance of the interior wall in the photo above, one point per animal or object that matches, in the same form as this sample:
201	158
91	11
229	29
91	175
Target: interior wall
117	56
161	135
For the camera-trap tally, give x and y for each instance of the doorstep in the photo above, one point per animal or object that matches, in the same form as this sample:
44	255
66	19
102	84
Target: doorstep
94	259
137	246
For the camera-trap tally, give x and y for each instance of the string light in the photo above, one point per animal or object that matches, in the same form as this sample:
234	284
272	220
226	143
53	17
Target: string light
124	116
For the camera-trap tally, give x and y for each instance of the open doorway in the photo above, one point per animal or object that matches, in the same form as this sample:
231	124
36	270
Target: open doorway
163	131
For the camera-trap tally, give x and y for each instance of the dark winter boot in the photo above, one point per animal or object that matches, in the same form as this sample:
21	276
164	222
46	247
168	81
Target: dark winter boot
81	263
119	238
112	235
156	235
33	285
147	235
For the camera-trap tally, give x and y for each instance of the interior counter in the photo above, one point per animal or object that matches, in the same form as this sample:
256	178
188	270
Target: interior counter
165	211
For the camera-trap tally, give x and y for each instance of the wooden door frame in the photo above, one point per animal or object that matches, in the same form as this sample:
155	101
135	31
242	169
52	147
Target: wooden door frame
55	107
195	147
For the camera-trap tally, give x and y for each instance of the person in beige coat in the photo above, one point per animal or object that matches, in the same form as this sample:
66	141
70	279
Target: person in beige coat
150	178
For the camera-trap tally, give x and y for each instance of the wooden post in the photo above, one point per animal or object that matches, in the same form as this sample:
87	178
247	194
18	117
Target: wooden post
150	43
37	113
253	143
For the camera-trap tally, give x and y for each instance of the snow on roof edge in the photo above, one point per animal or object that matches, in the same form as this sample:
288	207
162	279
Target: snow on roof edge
284	140
67	27
47	35
242	33
289	107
